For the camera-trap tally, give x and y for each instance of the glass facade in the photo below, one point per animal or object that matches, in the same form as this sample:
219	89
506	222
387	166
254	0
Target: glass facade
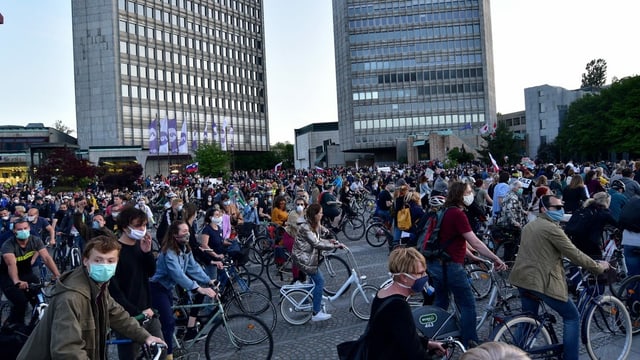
199	62
405	67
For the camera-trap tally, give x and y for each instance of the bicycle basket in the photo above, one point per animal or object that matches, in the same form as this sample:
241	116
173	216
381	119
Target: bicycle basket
435	323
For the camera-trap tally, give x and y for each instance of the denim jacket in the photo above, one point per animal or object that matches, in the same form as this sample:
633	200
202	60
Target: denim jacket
172	269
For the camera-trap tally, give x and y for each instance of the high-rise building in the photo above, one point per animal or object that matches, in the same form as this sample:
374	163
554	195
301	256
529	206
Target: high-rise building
197	66
404	68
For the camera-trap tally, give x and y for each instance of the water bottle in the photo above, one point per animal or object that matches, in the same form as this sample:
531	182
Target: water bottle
429	290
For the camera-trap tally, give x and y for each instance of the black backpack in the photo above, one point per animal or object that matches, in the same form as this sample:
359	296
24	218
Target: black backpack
579	226
431	247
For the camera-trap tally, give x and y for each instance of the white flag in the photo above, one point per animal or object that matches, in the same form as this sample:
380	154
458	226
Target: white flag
484	129
183	148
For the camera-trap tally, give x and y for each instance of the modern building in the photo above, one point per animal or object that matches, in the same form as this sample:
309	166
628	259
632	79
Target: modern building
516	122
315	145
546	108
410	67
190	67
22	148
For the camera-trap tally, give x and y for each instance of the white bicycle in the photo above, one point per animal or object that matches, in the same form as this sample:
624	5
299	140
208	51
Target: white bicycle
296	306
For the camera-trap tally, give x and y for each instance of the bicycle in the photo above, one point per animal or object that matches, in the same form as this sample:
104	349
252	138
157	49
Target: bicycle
334	268
66	254
603	320
629	293
377	233
227	336
351	225
296	305
39	306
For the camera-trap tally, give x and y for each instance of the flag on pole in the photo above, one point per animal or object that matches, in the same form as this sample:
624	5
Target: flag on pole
194	140
164	137
278	166
484	129
223	135
191	168
173	135
231	137
153	137
183	148
495	125
318	168
495	164
205	138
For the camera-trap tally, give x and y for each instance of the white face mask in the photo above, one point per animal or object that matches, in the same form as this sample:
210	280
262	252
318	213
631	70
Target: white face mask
299	209
137	234
216	220
468	199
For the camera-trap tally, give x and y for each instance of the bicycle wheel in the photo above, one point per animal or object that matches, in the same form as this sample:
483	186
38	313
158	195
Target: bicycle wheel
5	311
296	307
629	294
60	258
481	283
361	301
255	261
257	283
336	272
607	323
279	272
240	337
253	303
353	228
526	333
377	235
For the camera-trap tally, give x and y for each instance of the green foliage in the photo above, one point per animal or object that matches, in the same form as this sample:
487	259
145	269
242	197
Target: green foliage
266	160
212	161
596	74
63	168
549	152
283	152
460	156
598	124
62	127
500	144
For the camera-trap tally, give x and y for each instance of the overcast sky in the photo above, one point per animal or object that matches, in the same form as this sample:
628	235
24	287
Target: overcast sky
534	43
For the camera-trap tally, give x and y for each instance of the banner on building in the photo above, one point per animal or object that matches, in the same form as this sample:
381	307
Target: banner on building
164	137
153	137
173	136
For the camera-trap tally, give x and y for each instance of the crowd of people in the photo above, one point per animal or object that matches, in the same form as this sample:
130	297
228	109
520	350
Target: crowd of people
527	200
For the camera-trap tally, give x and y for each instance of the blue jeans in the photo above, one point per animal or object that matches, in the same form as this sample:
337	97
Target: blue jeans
318	280
570	316
457	283
632	259
162	300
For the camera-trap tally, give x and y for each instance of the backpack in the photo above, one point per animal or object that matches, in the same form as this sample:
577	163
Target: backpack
431	247
404	219
358	349
579	226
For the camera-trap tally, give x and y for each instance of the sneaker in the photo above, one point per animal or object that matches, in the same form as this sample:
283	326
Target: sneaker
190	334
321	316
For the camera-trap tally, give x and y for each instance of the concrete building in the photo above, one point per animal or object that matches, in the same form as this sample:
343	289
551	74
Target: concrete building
315	145
199	64
546	108
409	67
516	122
24	147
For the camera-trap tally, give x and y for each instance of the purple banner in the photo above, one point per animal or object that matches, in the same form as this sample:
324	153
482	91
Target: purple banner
164	137
173	135
153	137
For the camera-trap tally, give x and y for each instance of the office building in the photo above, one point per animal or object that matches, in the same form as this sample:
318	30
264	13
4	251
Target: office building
546	108
192	71
405	68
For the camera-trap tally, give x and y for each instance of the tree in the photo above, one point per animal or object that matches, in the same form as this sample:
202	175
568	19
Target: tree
596	74
212	161
283	152
500	144
62	127
63	169
598	124
460	156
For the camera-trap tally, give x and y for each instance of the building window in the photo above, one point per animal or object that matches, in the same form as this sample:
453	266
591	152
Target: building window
542	107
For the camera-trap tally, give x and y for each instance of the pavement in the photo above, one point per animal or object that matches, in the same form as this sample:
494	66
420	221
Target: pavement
319	340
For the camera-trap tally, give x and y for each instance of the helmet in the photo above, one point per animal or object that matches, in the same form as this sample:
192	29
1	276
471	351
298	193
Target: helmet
436	201
618	185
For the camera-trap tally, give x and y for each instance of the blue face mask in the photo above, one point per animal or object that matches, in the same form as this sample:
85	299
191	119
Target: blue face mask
22	234
520	191
102	272
96	225
421	283
556	215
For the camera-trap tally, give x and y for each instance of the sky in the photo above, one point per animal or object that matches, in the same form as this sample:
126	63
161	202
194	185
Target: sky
534	43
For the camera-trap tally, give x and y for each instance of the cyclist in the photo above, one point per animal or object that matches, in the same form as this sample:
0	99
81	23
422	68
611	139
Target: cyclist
630	224
173	213
306	254
538	270
392	333
618	200
384	203
38	225
130	284
330	205
291	232
176	266
81	311
15	270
